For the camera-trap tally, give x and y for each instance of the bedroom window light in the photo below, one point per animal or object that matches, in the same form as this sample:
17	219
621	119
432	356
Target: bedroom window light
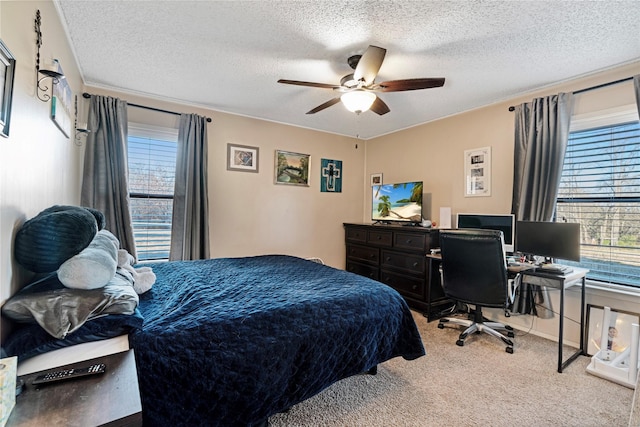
600	189
152	165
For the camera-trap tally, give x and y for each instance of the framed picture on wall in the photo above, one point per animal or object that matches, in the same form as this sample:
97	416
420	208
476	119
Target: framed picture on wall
376	179
330	176
477	172
292	168
242	158
61	102
7	73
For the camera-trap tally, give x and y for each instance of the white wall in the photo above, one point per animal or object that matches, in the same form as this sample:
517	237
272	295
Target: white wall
39	166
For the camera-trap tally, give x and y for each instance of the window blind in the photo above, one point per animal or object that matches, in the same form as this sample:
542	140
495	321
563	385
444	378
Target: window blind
600	189
152	165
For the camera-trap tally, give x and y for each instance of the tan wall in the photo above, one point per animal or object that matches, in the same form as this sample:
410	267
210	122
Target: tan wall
39	166
434	153
250	215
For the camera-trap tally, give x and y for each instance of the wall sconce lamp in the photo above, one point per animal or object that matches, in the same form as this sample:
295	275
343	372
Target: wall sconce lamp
358	100
45	73
79	131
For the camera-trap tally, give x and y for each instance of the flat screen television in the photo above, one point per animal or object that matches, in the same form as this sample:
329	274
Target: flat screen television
401	202
503	222
551	240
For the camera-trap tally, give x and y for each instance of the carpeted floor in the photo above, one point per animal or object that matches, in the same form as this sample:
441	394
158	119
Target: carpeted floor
475	385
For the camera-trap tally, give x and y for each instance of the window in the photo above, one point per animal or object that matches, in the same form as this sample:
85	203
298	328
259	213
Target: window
152	166
600	189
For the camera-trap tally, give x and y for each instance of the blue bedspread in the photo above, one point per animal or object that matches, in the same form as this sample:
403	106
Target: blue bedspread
232	341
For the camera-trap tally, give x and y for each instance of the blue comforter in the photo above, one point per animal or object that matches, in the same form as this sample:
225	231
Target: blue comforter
232	341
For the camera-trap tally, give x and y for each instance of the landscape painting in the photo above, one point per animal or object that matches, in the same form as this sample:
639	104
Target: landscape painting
292	168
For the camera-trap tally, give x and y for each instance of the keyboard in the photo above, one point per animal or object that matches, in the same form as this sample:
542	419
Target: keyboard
555	268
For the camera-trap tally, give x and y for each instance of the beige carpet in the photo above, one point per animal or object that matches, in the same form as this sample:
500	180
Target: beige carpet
475	385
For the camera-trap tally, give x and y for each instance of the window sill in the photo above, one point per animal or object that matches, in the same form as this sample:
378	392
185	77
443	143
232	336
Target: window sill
612	290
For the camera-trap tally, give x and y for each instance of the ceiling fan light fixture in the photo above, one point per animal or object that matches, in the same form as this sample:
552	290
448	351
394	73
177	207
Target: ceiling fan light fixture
358	101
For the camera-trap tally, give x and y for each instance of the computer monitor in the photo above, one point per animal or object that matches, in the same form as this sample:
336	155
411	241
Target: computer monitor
502	222
549	239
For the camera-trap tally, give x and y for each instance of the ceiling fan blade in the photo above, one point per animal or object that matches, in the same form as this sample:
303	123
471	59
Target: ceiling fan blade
327	104
369	64
310	84
410	84
379	107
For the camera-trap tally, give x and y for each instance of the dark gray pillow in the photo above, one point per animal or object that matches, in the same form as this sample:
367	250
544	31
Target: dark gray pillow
53	236
60	310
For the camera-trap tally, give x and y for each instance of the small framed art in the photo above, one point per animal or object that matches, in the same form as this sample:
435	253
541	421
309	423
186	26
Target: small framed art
376	179
292	168
477	172
242	158
7	73
61	102
330	176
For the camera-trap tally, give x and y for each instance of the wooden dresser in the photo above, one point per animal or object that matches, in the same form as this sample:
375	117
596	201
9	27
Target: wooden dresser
396	255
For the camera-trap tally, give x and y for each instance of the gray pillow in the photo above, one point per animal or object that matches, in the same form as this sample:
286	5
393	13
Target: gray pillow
61	311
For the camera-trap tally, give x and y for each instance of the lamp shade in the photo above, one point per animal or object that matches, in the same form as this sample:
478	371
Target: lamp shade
358	100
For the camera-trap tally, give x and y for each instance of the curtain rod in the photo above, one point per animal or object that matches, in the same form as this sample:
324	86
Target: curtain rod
575	92
88	95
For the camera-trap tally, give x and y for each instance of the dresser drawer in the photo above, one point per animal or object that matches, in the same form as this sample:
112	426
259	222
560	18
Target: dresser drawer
405	285
369	271
380	238
363	253
356	234
413	241
416	264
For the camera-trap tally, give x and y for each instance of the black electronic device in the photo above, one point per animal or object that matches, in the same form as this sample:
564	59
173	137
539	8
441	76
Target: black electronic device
502	222
555	268
552	240
69	374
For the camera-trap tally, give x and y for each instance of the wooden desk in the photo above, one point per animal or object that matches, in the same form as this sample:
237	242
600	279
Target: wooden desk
112	398
562	282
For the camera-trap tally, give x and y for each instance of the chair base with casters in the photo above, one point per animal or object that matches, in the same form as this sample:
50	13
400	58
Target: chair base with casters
480	324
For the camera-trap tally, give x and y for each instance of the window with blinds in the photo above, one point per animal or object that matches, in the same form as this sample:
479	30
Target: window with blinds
152	166
600	189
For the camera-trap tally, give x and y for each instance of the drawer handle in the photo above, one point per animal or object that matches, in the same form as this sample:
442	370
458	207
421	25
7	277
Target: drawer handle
415	264
379	237
414	287
409	240
388	258
372	256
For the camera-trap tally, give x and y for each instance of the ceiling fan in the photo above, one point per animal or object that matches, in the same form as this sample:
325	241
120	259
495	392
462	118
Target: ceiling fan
358	88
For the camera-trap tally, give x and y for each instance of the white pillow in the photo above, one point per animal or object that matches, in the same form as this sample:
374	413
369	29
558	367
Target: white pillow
95	266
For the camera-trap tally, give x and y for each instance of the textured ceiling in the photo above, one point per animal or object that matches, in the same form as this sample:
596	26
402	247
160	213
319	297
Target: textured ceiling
228	55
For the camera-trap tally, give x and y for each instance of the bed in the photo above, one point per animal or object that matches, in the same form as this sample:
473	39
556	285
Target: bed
232	341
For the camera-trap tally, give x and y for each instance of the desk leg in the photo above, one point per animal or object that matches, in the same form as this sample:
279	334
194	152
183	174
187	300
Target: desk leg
583	314
581	351
561	328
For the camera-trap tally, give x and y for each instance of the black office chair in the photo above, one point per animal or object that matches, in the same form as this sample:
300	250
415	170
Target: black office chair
474	271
